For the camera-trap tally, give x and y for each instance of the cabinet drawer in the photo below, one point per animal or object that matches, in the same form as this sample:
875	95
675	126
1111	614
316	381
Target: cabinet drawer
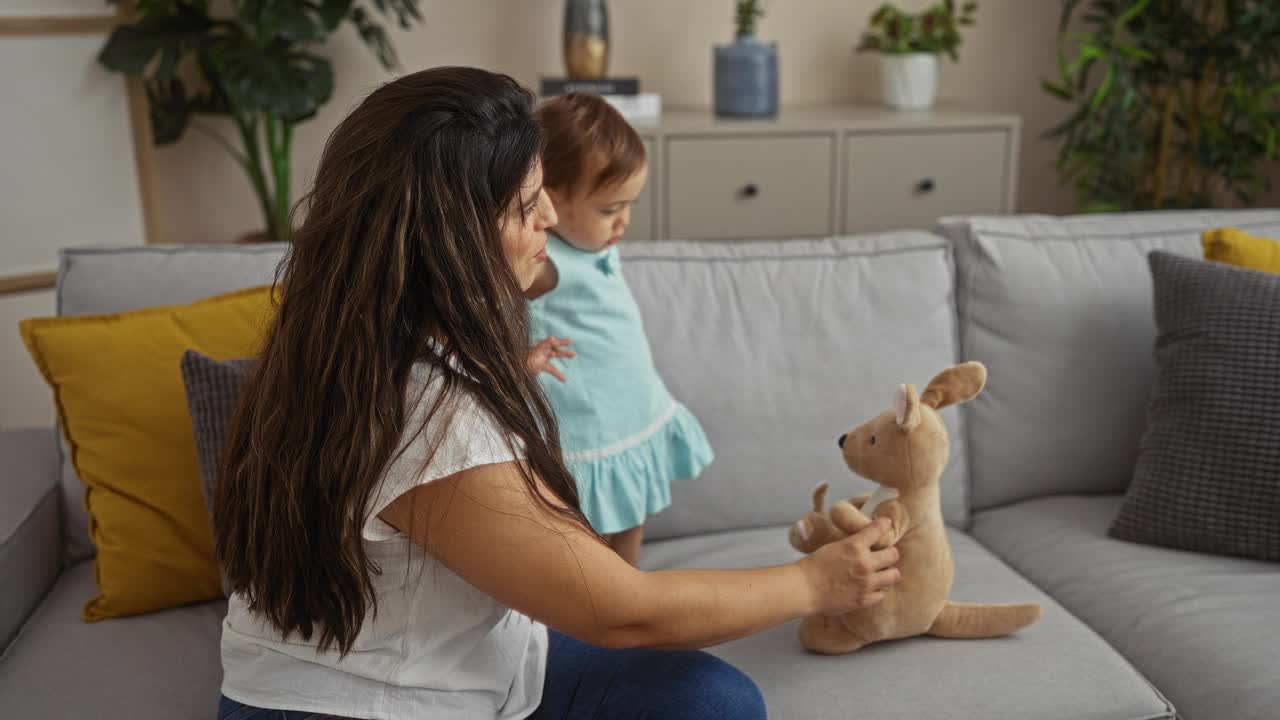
642	213
910	180
749	187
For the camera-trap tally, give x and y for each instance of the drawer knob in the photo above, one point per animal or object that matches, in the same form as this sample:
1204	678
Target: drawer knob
749	190
925	186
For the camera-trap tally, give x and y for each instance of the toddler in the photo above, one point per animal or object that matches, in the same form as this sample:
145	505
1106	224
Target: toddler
625	438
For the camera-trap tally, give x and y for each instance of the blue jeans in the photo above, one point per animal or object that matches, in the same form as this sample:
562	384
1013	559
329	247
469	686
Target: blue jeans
590	683
229	709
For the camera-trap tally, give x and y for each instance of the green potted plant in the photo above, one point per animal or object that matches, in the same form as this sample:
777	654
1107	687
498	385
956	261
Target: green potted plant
1175	103
909	45
254	61
746	71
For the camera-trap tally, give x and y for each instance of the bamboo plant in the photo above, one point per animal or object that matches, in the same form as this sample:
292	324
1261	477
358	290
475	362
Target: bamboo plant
1176	103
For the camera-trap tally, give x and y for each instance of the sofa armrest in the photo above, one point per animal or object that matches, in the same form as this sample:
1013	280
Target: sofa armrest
30	524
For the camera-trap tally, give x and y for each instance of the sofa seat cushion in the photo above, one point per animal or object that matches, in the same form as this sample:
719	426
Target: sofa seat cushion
30	525
1057	668
162	665
1204	628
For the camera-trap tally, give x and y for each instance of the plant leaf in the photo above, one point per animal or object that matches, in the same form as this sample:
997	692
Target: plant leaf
278	80
288	19
131	47
333	12
1134	52
404	11
1134	11
129	50
169	111
1056	90
1104	89
375	38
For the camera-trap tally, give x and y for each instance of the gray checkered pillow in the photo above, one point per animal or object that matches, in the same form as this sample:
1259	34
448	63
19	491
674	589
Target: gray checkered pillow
1208	472
213	389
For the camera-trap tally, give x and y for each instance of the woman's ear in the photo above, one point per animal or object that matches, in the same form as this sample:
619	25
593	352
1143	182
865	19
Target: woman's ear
906	405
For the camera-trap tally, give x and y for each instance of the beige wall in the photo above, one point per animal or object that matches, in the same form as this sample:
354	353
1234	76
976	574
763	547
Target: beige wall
667	43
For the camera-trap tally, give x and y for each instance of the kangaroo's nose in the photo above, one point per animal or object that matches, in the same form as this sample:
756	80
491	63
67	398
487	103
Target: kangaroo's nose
840	442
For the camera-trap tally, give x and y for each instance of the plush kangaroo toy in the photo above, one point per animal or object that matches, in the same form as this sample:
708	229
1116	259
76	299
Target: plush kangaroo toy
904	451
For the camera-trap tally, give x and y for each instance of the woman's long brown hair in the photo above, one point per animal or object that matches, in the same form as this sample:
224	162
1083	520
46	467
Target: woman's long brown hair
399	261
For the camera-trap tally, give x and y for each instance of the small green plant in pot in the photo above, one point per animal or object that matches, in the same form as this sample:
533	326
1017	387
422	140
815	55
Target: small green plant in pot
910	44
253	61
1175	103
746	71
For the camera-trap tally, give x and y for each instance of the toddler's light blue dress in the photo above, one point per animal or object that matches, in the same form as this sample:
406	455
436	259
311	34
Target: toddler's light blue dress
625	438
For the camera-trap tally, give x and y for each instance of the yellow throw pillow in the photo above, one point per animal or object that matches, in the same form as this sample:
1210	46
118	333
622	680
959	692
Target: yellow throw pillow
118	389
1236	247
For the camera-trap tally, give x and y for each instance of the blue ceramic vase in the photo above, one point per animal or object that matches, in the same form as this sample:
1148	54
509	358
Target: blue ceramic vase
746	78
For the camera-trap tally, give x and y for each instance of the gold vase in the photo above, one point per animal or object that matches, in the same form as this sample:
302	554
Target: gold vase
586	39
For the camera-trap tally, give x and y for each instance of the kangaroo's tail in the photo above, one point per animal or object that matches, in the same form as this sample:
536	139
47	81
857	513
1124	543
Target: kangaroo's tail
972	621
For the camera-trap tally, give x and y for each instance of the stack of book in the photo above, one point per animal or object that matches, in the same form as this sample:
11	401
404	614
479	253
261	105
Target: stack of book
621	92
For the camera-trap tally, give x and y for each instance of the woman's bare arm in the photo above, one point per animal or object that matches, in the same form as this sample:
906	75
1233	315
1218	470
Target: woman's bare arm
483	525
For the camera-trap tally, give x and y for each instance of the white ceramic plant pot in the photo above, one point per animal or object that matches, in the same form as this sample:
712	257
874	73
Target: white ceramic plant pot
910	81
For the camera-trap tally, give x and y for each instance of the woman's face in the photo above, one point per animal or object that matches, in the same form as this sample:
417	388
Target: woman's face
524	229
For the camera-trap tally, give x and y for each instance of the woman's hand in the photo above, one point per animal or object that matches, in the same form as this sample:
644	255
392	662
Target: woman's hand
541	355
848	575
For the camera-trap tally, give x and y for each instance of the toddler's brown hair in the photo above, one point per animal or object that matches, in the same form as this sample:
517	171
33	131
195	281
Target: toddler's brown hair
584	135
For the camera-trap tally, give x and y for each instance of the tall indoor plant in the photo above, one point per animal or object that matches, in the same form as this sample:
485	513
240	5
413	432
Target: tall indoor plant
1176	102
252	60
909	45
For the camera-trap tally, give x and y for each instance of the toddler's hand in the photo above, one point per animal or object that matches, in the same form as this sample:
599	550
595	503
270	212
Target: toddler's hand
541	355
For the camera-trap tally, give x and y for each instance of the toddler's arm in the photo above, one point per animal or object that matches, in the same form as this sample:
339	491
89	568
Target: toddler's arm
546	281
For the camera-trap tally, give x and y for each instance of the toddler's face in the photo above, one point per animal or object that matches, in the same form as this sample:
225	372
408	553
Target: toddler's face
594	221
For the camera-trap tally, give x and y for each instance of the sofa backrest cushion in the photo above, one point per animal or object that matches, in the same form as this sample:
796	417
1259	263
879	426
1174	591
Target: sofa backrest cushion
780	347
1060	310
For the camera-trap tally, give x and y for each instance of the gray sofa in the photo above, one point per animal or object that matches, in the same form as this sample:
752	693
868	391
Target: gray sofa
778	348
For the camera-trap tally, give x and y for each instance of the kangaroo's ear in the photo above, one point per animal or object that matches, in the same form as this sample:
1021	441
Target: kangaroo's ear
958	384
906	405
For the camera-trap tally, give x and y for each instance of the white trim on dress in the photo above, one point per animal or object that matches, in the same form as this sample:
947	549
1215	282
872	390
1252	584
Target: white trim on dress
625	443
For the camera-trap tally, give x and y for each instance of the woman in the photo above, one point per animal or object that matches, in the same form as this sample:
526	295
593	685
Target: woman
395	518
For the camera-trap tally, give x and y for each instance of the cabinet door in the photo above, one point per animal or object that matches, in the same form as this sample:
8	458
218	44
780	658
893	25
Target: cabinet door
909	180
749	187
642	213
